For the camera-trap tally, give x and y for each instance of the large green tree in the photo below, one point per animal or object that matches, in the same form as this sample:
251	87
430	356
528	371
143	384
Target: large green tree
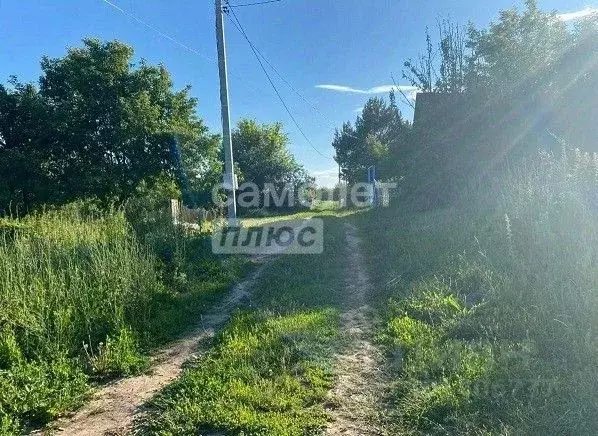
97	126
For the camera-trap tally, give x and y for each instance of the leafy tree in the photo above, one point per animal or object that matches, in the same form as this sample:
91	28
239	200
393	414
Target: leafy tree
379	138
98	126
202	166
518	54
114	122
25	150
262	156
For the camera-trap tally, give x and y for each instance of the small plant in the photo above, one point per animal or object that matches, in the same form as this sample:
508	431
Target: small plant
10	354
8	425
406	332
41	390
118	356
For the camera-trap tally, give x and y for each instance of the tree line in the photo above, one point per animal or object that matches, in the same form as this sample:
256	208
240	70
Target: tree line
97	125
528	61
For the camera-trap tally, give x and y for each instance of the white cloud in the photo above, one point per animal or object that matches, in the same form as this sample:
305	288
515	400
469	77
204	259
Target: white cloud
326	178
578	15
383	89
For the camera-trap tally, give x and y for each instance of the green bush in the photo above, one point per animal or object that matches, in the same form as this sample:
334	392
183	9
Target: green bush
8	425
120	355
41	390
10	354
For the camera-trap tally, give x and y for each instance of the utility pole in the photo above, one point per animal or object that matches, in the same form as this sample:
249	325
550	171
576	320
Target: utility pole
229	172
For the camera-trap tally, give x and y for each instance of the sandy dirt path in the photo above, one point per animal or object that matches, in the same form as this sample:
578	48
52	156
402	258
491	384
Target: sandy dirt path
360	381
113	408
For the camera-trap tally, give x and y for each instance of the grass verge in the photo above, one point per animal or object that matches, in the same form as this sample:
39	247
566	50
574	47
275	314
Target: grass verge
266	375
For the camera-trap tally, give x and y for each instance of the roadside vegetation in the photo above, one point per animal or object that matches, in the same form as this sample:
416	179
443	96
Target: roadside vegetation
485	268
491	305
270	369
93	273
83	299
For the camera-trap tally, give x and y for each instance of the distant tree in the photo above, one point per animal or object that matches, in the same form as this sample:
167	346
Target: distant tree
378	138
202	166
262	155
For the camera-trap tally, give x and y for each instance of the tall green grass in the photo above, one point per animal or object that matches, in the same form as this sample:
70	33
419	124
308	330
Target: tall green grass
84	294
72	290
495	309
67	280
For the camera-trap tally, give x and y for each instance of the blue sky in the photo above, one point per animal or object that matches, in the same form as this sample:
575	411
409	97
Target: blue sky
355	45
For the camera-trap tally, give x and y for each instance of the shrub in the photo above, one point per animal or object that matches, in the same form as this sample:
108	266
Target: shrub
10	354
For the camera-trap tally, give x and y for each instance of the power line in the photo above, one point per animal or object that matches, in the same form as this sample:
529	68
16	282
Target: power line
254	4
281	77
158	31
256	52
240	28
286	82
301	96
179	43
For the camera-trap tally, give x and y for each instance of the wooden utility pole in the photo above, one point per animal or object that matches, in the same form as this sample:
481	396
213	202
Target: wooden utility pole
229	171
